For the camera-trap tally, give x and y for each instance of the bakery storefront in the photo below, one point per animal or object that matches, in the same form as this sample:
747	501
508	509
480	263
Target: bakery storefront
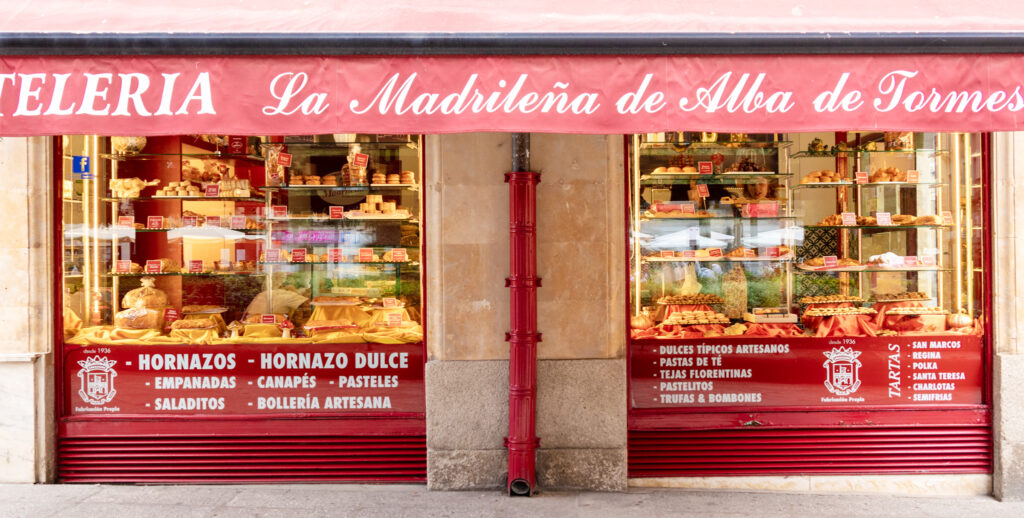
240	284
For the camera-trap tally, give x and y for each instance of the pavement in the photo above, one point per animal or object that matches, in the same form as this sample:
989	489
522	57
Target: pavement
67	501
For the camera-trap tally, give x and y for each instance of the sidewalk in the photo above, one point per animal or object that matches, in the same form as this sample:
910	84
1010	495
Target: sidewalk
95	501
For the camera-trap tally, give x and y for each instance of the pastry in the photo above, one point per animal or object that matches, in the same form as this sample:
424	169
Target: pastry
916	311
831	312
660	170
928	219
830	299
698	298
197	323
903	219
258	318
146	296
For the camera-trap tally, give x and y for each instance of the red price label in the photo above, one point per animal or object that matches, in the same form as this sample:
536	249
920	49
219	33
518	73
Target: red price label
213	221
394	319
123	267
831	261
761	210
153	266
927	260
398	255
389	302
273	255
268	319
155	222
702	190
689	254
667	254
170	315
884	218
862	176
334	255
238	222
360	160
849	219
195	266
237	144
189	221
715	252
126	221
749	252
947	218
365	255
705	167
910	260
772	251
688	208
299	255
717	158
212	191
279	211
337	212
913	176
284	159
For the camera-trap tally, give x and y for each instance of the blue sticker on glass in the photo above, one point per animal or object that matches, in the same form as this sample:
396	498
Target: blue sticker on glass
79	164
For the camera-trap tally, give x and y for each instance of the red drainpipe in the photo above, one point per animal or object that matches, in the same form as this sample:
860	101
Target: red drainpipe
522	439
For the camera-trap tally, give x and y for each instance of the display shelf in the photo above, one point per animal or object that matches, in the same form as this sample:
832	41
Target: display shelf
189	198
718	218
821	185
868	269
184	274
340	263
787	259
881	227
356	189
164	156
711	179
830	154
716	146
205	231
340	221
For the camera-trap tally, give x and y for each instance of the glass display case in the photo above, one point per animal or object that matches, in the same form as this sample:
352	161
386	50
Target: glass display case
800	231
204	239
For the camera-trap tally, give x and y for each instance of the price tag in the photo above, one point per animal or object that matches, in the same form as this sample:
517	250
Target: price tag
170	315
772	251
688	208
884	218
156	222
272	255
398	255
237	222
749	252
360	160
195	266
212	191
189	221
761	210
862	176
299	255
279	211
927	260
947	218
365	255
715	252
123	267
389	302
284	159
394	319
667	254
702	190
126	221
334	255
910	260
913	176
337	212
831	261
237	144
705	167
849	219
153	266
689	254
268	319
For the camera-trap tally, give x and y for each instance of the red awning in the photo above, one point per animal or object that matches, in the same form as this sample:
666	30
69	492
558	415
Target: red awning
580	94
523	16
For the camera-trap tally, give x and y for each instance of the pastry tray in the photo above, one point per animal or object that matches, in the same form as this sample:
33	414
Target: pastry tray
336	303
909	313
776	318
356	215
375	306
858	301
687	303
804	267
214	311
875	301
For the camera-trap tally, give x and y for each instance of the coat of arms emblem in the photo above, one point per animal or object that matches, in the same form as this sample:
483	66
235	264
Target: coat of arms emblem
842	371
97	380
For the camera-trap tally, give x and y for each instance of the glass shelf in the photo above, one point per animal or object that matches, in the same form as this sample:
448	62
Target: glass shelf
713	179
881	227
340	221
829	154
857	269
165	156
189	198
720	218
822	185
716	146
181	274
346	188
789	259
200	230
413	264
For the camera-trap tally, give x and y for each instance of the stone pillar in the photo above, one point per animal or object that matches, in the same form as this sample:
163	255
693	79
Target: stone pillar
581	401
26	304
1008	320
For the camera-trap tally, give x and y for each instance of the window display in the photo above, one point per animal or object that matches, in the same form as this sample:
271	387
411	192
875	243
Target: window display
800	246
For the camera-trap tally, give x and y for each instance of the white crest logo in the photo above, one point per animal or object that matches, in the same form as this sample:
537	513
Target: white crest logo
97	380
842	371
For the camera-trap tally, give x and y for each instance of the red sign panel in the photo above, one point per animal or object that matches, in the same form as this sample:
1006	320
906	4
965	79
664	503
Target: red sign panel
237	144
154	222
298	255
213	221
279	211
705	167
238	222
212	191
285	159
122	266
365	255
702	190
862	177
195	266
245	379
334	255
125	221
153	266
848	372
360	160
337	211
189	221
